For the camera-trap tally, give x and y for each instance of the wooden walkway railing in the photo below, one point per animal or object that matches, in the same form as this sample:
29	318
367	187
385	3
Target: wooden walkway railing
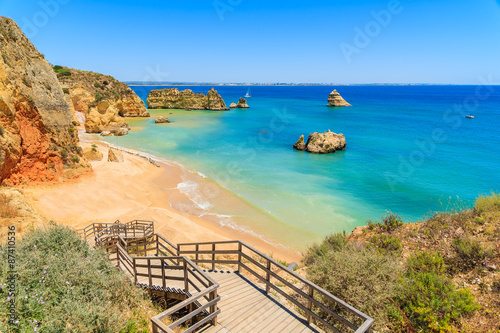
151	256
270	272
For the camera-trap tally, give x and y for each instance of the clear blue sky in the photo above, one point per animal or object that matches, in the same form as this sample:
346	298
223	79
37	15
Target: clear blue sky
426	41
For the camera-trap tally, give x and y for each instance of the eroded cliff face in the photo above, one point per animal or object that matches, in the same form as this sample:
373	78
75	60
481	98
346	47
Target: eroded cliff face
38	140
99	101
172	98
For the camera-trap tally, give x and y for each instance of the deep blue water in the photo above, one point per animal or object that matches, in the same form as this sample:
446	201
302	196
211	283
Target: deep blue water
410	150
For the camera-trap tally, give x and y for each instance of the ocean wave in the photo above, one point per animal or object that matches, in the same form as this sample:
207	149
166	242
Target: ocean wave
190	189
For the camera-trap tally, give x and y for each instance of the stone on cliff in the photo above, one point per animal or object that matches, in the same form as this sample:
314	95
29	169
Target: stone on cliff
35	118
98	99
92	154
336	100
161	120
115	155
172	98
322	143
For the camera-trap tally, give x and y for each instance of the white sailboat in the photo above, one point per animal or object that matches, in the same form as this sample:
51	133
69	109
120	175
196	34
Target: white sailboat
247	95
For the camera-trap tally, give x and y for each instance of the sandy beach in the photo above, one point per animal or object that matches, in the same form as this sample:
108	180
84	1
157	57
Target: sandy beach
137	189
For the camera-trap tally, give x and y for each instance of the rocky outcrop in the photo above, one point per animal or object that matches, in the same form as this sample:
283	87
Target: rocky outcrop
300	144
100	102
162	120
115	155
172	98
322	143
92	154
242	104
38	138
336	100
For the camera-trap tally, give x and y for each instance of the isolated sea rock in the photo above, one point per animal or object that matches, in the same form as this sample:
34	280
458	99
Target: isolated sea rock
92	154
172	98
162	120
336	100
300	145
115	155
322	143
38	137
233	106
98	100
242	104
121	132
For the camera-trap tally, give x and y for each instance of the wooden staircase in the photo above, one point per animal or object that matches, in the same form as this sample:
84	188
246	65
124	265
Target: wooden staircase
220	287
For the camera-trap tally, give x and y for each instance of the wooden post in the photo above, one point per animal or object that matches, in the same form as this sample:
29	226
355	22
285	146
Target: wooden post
213	308
157	245
117	256
150	277
197	249
135	271
268	276
213	257
310	304
240	250
186	283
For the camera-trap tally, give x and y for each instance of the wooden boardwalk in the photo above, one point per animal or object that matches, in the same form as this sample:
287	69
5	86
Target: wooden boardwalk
244	305
244	291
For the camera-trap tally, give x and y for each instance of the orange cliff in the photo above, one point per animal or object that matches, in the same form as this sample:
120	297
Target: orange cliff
38	138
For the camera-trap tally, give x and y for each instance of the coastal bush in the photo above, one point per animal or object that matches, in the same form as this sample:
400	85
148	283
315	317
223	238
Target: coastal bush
426	262
94	148
63	285
64	154
65	90
389	222
468	253
488	203
357	274
1	130
75	159
386	242
432	303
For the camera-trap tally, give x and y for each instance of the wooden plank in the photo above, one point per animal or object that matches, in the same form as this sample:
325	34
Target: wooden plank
261	313
279	316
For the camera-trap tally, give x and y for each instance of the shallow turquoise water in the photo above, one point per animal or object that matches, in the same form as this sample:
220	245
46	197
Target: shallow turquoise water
408	151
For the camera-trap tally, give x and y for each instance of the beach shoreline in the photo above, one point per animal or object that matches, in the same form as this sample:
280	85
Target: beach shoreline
142	187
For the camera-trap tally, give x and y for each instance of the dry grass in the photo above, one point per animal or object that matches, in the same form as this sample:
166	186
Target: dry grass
6	209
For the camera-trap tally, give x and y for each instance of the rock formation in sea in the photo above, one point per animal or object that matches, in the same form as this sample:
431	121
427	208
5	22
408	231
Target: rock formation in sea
336	100
321	143
162	120
99	101
172	98
242	104
38	137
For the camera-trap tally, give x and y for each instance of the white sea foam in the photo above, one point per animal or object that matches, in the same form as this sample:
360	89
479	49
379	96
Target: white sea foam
190	189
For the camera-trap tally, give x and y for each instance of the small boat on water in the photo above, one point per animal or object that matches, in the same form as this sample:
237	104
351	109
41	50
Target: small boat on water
469	116
248	95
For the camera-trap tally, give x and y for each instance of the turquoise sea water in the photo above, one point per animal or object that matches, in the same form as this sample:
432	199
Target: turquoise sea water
410	150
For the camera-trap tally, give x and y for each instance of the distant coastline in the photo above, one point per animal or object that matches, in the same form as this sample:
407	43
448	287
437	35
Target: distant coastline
137	83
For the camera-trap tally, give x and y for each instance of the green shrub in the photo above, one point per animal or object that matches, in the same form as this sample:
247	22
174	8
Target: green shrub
64	154
468	253
65	286
94	148
488	203
432	303
97	85
65	90
358	275
75	159
426	262
391	221
334	242
386	242
26	82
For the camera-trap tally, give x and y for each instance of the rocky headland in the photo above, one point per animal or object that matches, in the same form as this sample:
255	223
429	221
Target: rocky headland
172	98
38	137
100	102
321	143
336	100
242	104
